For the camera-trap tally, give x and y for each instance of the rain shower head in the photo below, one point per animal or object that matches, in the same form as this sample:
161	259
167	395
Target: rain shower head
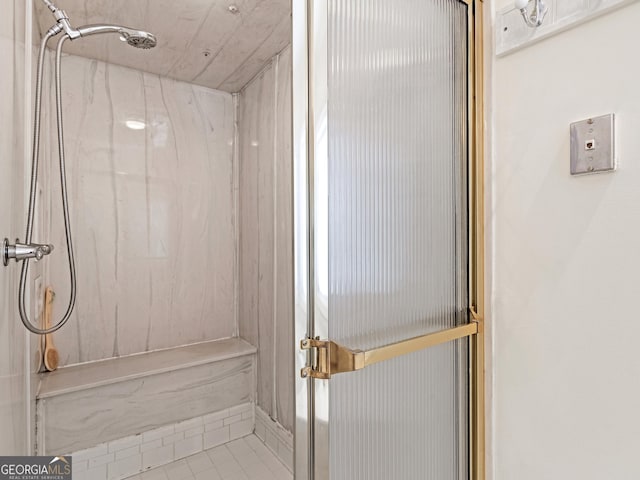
135	38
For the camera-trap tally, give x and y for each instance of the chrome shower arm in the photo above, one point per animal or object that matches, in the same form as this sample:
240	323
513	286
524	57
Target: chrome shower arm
87	30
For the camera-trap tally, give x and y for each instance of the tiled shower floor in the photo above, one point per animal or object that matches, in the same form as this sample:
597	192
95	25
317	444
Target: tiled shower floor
244	459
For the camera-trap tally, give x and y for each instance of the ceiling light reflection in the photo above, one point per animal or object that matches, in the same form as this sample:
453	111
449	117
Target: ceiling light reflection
135	124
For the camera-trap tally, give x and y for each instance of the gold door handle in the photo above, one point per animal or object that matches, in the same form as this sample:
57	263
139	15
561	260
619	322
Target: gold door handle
329	358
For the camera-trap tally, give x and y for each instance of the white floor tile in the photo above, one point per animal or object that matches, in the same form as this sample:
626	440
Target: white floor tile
178	470
155	474
200	462
237	476
243	459
211	474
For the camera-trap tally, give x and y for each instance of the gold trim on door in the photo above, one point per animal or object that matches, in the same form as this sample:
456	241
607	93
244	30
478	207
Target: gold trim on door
330	358
477	232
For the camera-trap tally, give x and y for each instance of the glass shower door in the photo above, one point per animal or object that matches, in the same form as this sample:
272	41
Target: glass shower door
386	240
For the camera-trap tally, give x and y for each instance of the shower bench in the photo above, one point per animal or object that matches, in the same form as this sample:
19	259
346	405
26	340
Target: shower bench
81	406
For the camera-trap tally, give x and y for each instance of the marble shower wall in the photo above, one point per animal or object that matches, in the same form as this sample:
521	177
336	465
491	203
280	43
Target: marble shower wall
14	375
266	233
152	211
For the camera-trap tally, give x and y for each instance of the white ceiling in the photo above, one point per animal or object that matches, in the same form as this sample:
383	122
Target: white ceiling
199	41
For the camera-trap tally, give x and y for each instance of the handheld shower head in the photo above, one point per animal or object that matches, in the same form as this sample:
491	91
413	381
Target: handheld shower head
138	38
135	38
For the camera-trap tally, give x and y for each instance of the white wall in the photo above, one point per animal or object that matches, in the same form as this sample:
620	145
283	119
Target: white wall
14	426
266	235
152	211
566	257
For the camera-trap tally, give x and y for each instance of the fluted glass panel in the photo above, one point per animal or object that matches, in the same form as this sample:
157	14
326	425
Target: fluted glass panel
398	234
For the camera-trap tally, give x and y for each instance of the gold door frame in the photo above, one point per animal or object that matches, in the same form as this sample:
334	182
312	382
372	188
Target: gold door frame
477	411
314	358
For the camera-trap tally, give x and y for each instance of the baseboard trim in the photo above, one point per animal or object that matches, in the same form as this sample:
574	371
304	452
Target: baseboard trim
277	438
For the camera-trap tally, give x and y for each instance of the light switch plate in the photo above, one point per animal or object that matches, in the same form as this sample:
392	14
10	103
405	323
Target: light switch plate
593	145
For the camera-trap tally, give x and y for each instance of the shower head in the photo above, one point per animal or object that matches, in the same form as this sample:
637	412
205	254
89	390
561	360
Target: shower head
135	38
139	39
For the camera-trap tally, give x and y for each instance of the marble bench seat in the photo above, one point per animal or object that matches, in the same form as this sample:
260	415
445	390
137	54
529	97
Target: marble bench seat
81	406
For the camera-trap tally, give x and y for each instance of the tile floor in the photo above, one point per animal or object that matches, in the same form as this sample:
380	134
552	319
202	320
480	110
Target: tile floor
244	459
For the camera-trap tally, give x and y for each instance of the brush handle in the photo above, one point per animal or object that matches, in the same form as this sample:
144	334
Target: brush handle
48	302
50	353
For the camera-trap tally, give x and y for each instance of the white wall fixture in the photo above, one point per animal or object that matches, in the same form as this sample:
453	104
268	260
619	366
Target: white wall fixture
593	145
513	34
534	18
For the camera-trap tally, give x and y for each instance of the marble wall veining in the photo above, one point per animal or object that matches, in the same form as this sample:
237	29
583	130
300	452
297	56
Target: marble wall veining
14	376
150	175
266	238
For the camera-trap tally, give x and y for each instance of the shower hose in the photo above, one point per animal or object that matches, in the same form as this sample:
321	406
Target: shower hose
34	180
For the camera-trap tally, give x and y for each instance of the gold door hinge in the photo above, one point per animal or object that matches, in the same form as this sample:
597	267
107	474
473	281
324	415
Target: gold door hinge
329	358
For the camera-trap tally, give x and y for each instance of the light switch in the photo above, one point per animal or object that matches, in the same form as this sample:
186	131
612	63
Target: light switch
593	145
